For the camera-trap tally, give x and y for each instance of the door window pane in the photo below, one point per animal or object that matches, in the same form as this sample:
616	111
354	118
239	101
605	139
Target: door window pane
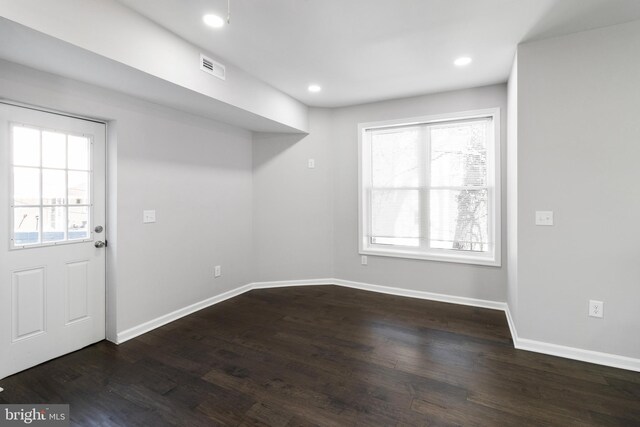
54	224
78	222
26	226
54	187
26	186
459	220
26	146
78	188
51	186
78	153
54	150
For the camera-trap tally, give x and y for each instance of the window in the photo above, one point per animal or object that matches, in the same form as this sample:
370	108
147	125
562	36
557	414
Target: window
50	187
429	188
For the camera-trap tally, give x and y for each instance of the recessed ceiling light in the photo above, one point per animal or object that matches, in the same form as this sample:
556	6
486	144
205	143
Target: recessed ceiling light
213	21
314	88
462	61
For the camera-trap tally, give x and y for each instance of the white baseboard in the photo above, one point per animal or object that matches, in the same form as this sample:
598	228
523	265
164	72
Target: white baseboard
175	315
512	325
288	283
494	305
606	359
589	356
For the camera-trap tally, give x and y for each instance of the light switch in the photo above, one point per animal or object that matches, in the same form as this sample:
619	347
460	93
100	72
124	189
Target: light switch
148	216
311	163
596	308
544	218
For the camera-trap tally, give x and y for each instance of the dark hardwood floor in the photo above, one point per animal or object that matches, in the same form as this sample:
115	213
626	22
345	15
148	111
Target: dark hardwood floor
326	355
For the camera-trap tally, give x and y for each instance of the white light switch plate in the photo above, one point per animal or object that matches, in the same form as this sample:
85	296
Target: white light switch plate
544	218
311	163
148	216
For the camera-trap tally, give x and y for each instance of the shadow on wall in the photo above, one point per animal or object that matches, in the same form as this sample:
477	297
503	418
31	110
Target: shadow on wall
558	17
187	141
272	145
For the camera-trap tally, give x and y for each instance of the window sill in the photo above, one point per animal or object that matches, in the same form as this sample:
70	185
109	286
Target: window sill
459	259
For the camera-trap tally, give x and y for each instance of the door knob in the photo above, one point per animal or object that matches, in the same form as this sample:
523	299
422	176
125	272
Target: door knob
99	244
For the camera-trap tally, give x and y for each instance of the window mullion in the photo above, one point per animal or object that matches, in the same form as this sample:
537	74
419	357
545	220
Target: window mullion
369	143
425	183
427	189
421	207
40	221
369	230
66	190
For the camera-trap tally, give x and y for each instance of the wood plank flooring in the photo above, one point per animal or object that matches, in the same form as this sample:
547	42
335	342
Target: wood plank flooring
328	356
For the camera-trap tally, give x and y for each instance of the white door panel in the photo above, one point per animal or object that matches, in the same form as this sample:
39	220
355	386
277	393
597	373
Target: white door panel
52	276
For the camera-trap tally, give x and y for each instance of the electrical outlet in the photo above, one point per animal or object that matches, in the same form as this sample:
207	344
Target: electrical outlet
596	308
217	271
363	260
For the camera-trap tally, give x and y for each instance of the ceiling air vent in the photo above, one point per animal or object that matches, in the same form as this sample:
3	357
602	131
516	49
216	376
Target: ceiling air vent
212	67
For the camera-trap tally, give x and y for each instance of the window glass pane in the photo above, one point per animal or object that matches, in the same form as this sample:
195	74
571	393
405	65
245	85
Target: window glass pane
51	175
78	188
78	151
54	224
459	220
26	186
395	217
54	187
78	222
26	146
54	150
394	158
459	154
26	226
396	241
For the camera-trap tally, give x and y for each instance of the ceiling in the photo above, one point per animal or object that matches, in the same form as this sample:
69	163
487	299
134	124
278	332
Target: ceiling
368	50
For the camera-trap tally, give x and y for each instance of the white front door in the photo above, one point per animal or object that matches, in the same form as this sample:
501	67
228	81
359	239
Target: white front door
52	218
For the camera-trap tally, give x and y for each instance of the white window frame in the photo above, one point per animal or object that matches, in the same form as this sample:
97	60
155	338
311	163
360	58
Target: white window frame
493	257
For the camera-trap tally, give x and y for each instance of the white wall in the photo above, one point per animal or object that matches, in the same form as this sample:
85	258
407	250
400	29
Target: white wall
293	219
578	151
196	173
111	30
471	281
306	220
512	191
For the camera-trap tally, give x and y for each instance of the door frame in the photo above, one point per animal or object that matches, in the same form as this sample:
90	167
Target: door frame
110	290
